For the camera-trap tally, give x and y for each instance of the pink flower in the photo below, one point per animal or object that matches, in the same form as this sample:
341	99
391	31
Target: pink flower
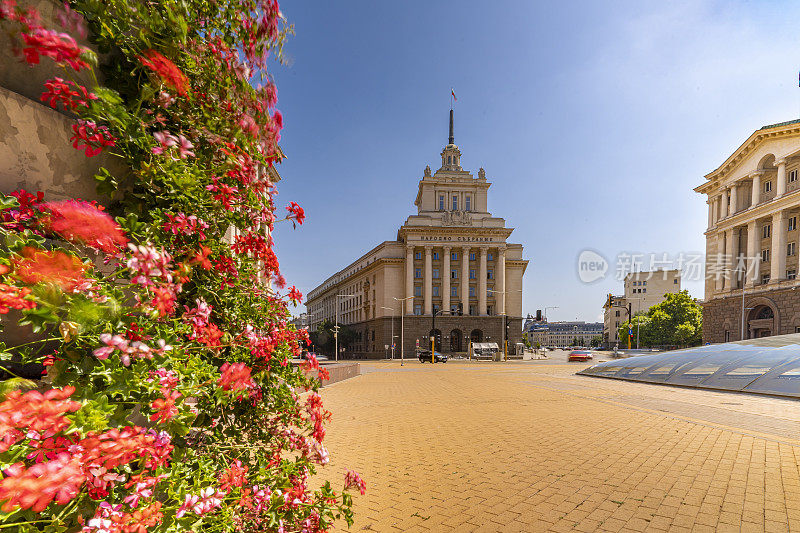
185	148
205	502
353	481
165	140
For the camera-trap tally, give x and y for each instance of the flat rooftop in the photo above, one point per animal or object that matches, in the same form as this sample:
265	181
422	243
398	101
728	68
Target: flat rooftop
530	446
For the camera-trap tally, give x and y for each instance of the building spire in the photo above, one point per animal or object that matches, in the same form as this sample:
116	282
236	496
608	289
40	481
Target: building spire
452	140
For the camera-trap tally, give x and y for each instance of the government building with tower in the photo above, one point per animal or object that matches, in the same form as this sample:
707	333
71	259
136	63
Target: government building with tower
451	269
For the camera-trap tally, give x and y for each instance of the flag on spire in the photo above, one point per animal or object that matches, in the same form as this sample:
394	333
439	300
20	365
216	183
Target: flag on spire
453	94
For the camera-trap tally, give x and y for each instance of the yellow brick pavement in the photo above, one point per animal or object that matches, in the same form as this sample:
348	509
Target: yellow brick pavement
531	447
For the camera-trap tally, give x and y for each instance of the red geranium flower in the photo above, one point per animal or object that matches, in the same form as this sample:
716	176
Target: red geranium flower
56	267
166	70
80	221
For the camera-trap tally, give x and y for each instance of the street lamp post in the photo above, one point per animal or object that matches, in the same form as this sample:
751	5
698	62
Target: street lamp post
549	307
392	310
402	329
433	332
336	327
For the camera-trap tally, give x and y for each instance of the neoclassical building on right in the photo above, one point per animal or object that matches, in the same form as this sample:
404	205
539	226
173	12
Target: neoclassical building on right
752	239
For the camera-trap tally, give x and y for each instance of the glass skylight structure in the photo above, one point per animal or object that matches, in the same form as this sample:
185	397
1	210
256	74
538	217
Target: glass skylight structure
770	365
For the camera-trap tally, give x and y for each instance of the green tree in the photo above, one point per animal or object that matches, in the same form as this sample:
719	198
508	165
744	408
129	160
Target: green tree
324	340
597	340
677	321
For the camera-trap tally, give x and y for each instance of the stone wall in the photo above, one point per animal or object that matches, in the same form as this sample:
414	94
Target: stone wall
725	314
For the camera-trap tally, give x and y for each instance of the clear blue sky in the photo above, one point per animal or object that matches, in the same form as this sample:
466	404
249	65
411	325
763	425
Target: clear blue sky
594	122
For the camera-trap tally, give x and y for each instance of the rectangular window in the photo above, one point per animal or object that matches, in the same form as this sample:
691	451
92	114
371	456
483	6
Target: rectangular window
472	256
675	281
765	279
418	290
767	186
791	274
418	309
418	273
792	176
435	256
417	255
436	291
790	248
792	224
473	274
454	256
473	310
453	309
454	274
435	273
644	290
490	256
435	309
766	231
644	283
765	256
467	203
490	274
472	291
441	202
488	309
455	203
453	290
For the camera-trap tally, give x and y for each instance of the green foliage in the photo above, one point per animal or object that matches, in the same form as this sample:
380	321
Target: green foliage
677	321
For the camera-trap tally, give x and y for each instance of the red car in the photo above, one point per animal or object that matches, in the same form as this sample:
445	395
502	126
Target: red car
579	355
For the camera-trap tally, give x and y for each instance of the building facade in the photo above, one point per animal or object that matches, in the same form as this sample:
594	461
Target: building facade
451	269
563	334
752	238
642	290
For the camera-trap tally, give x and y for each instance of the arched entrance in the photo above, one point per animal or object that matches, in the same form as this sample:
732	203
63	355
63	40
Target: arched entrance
476	335
438	334
455	340
761	322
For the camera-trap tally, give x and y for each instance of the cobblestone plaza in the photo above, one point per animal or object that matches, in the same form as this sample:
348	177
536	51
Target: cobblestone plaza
529	446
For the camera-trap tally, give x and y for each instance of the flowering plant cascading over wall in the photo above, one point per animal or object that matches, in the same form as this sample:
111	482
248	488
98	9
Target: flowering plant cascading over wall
167	401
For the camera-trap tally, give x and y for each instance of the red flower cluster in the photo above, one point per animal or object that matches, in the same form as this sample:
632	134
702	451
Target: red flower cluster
233	476
12	297
34	411
59	91
35	487
295	295
295	212
235	377
79	221
186	225
17	219
91	137
56	267
165	407
59	47
170	74
353	481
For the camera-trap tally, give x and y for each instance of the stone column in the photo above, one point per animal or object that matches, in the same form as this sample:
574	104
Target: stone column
719	259
734	195
780	185
724	210
710	203
756	192
428	281
734	259
409	280
446	280
777	256
753	257
727	259
482	283
500	286
465	279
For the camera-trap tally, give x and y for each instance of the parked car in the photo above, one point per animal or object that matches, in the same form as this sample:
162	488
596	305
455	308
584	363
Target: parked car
425	356
579	355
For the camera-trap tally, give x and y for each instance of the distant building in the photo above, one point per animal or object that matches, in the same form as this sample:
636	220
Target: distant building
643	290
301	321
752	238
451	273
563	334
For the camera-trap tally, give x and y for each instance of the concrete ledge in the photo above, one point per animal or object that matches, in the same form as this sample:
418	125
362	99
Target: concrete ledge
340	371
